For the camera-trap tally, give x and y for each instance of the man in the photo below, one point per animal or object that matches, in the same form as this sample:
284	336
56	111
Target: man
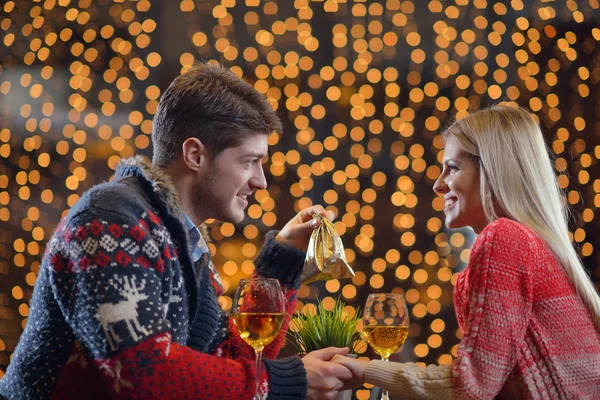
125	304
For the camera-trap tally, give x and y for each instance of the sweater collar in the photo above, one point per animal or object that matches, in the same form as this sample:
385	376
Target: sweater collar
161	184
159	180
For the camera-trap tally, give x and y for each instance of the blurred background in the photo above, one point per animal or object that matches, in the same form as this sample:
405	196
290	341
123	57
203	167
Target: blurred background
363	89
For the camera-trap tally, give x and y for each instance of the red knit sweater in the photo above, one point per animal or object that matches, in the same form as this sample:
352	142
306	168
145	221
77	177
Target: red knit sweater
527	334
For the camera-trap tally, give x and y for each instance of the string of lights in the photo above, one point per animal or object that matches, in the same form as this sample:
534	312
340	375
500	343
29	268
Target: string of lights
363	88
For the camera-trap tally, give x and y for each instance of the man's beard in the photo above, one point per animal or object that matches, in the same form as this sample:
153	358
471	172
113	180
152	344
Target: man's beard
205	202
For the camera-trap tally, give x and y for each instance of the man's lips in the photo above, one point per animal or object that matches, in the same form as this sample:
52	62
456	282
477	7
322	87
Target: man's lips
243	197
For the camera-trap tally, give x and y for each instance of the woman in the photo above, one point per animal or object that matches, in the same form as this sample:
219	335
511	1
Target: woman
529	314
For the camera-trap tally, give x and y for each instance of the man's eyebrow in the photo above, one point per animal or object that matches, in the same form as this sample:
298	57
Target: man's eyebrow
253	155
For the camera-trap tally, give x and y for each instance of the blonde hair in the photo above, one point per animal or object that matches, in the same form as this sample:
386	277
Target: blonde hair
517	181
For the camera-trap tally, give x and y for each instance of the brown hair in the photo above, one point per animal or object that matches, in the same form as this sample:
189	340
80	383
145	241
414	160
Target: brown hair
211	103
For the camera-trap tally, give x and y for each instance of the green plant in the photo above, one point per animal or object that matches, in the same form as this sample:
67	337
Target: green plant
320	328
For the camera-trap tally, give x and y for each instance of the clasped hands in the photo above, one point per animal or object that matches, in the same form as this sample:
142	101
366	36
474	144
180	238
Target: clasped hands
329	371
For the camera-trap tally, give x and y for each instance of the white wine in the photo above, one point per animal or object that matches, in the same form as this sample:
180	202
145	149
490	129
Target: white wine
258	329
385	340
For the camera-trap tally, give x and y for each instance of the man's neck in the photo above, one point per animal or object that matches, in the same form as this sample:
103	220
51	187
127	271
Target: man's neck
183	185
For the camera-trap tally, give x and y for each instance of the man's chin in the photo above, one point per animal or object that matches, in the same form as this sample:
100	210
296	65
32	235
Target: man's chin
237	220
234	216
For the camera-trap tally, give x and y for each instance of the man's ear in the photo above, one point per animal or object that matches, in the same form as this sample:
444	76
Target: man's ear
195	154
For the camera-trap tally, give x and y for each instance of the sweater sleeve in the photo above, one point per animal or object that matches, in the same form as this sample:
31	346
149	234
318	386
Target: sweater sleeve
408	380
280	262
107	271
496	315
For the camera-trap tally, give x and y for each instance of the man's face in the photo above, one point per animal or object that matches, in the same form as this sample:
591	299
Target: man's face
223	187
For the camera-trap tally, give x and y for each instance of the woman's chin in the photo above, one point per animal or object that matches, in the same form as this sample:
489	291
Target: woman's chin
452	223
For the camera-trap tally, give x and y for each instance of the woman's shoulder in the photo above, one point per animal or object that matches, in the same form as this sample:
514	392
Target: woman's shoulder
508	236
507	230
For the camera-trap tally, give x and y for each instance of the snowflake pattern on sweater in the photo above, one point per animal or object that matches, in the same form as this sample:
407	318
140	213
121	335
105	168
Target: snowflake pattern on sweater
119	311
108	271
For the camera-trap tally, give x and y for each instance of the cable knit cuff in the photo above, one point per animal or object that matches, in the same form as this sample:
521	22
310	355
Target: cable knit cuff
380	374
411	381
281	262
287	379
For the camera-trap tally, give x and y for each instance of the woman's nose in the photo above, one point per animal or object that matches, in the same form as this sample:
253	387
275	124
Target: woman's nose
440	186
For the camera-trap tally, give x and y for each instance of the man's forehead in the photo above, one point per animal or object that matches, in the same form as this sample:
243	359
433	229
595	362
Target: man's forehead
254	143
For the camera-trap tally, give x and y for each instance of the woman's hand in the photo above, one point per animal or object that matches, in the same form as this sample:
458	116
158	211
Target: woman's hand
324	378
356	366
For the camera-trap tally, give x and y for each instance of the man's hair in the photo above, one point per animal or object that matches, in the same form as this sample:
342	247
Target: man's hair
211	103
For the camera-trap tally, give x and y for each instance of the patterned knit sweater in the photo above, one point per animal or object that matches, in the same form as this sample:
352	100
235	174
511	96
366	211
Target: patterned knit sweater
527	335
120	311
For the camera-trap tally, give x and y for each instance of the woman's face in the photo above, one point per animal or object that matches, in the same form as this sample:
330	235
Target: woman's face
459	184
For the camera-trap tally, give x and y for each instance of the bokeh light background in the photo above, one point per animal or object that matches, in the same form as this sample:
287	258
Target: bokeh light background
363	89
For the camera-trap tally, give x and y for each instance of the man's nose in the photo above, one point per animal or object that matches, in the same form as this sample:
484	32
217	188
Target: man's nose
259	181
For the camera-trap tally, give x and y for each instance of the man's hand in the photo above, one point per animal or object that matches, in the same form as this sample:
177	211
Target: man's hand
324	378
296	232
357	367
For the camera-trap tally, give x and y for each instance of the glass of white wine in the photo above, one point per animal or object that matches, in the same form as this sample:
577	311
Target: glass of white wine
385	324
258	313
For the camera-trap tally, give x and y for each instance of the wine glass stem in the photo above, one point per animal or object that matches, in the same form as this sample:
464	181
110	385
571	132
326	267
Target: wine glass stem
258	364
384	393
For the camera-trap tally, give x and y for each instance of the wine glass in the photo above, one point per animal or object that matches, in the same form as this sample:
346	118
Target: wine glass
385	324
258	313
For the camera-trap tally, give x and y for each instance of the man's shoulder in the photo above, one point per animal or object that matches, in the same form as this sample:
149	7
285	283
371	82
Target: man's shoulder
110	197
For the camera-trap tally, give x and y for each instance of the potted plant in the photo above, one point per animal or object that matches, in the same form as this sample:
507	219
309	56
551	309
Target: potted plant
321	327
